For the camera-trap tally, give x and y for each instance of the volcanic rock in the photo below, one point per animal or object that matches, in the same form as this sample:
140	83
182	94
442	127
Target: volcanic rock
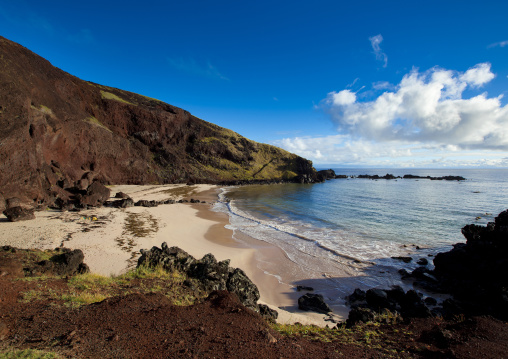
474	272
268	313
314	303
211	274
60	131
15	214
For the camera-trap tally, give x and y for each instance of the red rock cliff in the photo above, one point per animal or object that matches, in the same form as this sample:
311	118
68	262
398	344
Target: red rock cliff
57	132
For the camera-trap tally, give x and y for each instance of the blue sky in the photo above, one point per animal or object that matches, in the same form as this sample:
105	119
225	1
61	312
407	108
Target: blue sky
364	83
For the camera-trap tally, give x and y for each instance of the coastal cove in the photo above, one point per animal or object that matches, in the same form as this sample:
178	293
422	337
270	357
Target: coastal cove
343	234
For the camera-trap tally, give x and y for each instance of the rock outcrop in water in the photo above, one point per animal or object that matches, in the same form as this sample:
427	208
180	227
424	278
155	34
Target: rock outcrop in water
475	272
59	135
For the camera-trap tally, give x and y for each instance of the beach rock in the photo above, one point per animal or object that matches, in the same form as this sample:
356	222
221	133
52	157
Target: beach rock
314	303
422	261
68	263
299	288
403	259
360	315
122	203
377	299
82	184
210	274
357	296
268	313
473	272
146	203
15	214
242	286
12	202
413	306
394	300
122	195
96	194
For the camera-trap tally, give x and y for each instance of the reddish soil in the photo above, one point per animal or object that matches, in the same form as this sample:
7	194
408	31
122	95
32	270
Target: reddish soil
147	325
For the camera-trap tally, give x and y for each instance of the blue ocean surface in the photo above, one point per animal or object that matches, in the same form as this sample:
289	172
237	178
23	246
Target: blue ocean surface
346	226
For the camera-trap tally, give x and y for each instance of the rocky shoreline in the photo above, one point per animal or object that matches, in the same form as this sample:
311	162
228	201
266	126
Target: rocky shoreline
381	323
330	174
472	273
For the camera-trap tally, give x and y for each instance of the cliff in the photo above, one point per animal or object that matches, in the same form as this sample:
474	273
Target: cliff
59	132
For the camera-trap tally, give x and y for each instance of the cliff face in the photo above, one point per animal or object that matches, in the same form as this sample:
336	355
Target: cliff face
59	132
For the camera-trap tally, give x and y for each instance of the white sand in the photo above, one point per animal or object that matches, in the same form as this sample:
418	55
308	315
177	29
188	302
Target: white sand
112	238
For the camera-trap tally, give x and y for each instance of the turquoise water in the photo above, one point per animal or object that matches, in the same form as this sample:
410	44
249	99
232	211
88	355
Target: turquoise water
359	224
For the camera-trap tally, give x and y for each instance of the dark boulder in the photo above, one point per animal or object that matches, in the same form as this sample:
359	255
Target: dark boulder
394	300
357	296
326	174
360	315
378	299
12	202
474	272
299	288
268	313
211	275
122	203
15	214
422	261
96	195
146	203
242	286
69	263
122	195
403	259
314	303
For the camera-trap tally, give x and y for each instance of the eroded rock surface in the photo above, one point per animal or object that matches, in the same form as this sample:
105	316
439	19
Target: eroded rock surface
211	274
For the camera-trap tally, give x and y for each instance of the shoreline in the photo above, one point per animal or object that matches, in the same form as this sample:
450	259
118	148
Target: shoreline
111	240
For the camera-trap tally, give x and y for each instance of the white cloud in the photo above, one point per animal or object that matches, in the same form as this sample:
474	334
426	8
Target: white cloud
343	150
344	97
383	85
428	108
500	44
478	75
424	121
375	41
192	67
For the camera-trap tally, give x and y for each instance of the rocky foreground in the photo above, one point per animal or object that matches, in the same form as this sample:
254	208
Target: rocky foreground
174	305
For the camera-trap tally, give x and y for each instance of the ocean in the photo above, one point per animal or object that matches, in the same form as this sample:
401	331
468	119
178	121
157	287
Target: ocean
343	233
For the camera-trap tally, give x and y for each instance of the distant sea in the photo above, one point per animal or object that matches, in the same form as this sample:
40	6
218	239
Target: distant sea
342	233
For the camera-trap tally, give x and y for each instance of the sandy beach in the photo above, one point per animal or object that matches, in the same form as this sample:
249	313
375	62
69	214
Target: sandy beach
111	239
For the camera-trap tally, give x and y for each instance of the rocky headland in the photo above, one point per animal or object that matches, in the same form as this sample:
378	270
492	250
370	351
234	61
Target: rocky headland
61	134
